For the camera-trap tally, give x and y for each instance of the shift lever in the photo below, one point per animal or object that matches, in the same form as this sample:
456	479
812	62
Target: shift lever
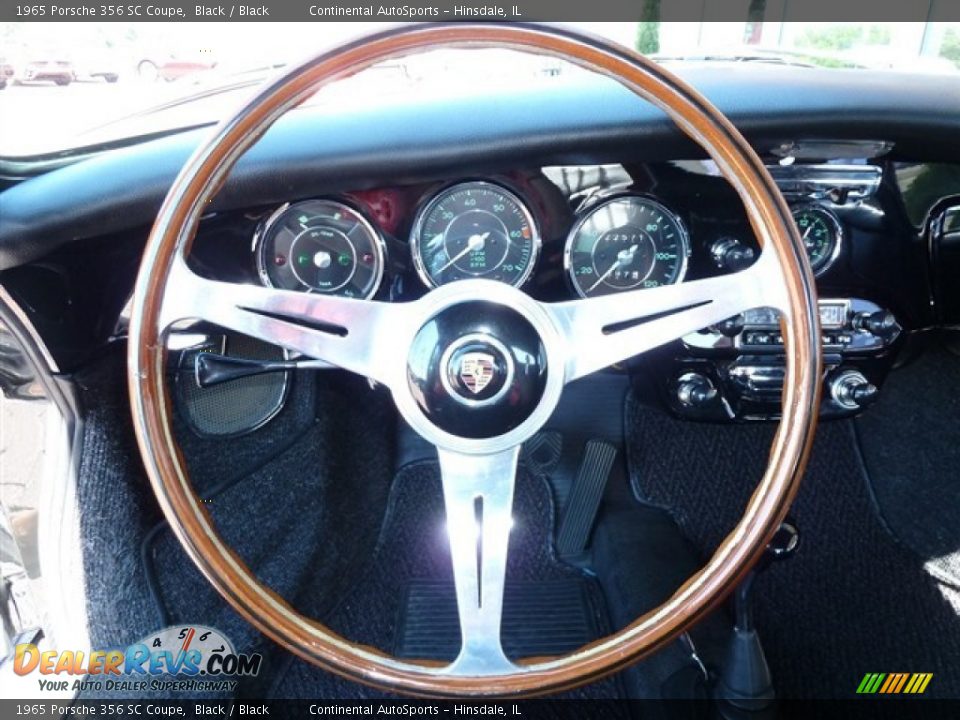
745	686
212	369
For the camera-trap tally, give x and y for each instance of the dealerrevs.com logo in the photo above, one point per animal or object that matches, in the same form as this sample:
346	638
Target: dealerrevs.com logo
188	658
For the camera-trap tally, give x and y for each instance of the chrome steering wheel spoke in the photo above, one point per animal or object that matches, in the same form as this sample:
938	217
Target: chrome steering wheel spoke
348	333
478	495
605	330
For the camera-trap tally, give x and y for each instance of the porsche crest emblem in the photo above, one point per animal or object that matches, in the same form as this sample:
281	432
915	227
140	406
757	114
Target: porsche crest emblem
476	371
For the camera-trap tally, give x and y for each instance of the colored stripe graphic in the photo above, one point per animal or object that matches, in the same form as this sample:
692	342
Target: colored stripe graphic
894	683
903	680
870	683
918	683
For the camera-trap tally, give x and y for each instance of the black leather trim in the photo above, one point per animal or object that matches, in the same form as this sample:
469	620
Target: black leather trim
316	150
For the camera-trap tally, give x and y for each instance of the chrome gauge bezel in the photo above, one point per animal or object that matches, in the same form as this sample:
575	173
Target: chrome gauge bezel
836	226
427	207
258	246
588	209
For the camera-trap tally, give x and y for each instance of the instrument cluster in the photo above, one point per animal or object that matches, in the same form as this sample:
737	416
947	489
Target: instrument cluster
612	242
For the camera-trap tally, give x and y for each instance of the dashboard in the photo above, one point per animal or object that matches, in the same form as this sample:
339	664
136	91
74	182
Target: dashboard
559	232
565	232
578	191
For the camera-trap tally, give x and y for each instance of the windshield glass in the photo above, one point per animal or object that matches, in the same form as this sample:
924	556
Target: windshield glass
66	86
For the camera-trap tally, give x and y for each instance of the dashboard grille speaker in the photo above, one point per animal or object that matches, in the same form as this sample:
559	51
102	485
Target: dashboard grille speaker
236	407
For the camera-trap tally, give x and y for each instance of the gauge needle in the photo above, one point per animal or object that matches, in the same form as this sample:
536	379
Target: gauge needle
624	257
805	234
474	243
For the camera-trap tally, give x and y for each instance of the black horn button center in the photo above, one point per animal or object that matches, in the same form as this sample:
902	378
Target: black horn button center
477	370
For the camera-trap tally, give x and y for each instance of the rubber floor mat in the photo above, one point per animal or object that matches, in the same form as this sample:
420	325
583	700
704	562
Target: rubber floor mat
539	618
412	560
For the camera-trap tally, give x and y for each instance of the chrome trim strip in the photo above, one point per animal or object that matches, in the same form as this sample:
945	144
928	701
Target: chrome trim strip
815	181
59	547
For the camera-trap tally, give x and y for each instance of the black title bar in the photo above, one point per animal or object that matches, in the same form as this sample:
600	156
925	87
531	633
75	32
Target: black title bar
464	10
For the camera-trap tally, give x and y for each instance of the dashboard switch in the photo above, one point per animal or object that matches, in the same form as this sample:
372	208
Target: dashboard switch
731	255
852	391
695	390
731	327
881	323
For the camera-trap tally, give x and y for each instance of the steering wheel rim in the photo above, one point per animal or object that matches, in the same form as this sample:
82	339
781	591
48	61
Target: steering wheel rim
783	257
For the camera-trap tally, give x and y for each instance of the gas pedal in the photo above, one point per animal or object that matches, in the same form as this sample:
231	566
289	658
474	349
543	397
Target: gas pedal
584	501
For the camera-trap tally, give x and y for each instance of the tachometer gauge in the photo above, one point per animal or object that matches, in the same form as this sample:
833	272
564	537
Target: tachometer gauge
474	230
821	233
625	243
320	246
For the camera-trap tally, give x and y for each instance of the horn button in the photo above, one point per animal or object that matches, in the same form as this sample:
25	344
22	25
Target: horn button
477	369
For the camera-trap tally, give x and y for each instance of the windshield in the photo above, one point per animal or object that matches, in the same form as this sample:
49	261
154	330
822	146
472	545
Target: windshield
70	86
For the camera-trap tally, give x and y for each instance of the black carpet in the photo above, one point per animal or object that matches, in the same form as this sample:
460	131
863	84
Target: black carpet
278	496
118	508
911	448
853	600
309	501
306	520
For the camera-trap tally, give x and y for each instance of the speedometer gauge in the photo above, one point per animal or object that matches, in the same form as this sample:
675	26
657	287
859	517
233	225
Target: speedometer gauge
625	243
320	246
474	230
821	233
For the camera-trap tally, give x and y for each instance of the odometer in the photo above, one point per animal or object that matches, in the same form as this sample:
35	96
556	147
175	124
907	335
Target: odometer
474	230
821	234
320	246
624	243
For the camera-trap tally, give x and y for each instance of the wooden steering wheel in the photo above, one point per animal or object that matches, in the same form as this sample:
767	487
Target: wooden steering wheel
532	349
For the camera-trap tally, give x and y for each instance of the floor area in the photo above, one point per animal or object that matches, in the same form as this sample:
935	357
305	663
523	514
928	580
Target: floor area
349	528
859	593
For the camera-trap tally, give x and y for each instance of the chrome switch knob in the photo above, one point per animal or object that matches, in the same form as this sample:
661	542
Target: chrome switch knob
852	391
731	255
